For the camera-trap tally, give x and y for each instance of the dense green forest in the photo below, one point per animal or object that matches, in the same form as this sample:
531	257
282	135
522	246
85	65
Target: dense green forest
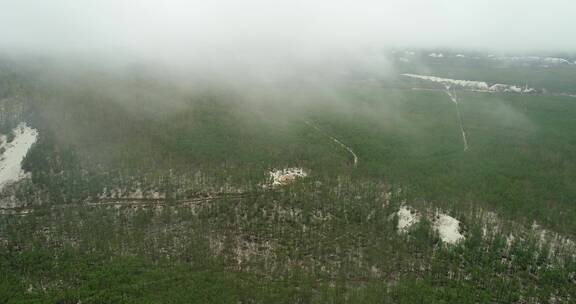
146	189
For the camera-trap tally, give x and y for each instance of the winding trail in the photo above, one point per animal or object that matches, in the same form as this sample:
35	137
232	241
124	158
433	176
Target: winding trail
460	120
336	140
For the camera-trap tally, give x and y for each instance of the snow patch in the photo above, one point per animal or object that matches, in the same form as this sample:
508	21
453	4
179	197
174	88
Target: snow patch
14	153
473	85
436	55
448	228
287	176
544	61
406	218
510	88
479	85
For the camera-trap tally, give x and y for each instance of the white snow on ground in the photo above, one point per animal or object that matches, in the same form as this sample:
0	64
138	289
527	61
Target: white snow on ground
284	177
479	85
14	153
522	60
557	60
448	228
534	60
474	85
406	218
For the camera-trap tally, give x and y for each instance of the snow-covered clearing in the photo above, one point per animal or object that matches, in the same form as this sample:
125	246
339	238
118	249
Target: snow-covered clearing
535	60
287	176
406	218
478	85
434	55
14	153
473	85
448	228
517	60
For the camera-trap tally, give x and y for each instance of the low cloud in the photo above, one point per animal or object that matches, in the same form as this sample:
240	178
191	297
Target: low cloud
182	32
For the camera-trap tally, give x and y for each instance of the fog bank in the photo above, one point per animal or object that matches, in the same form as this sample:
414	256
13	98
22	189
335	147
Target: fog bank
192	32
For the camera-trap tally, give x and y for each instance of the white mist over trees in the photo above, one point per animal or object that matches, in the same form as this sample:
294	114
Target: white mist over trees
254	30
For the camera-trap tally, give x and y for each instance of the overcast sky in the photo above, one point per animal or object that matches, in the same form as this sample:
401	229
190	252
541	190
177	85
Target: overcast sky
164	28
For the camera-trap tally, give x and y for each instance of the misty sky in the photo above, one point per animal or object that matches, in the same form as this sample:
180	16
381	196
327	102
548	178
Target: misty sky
164	28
